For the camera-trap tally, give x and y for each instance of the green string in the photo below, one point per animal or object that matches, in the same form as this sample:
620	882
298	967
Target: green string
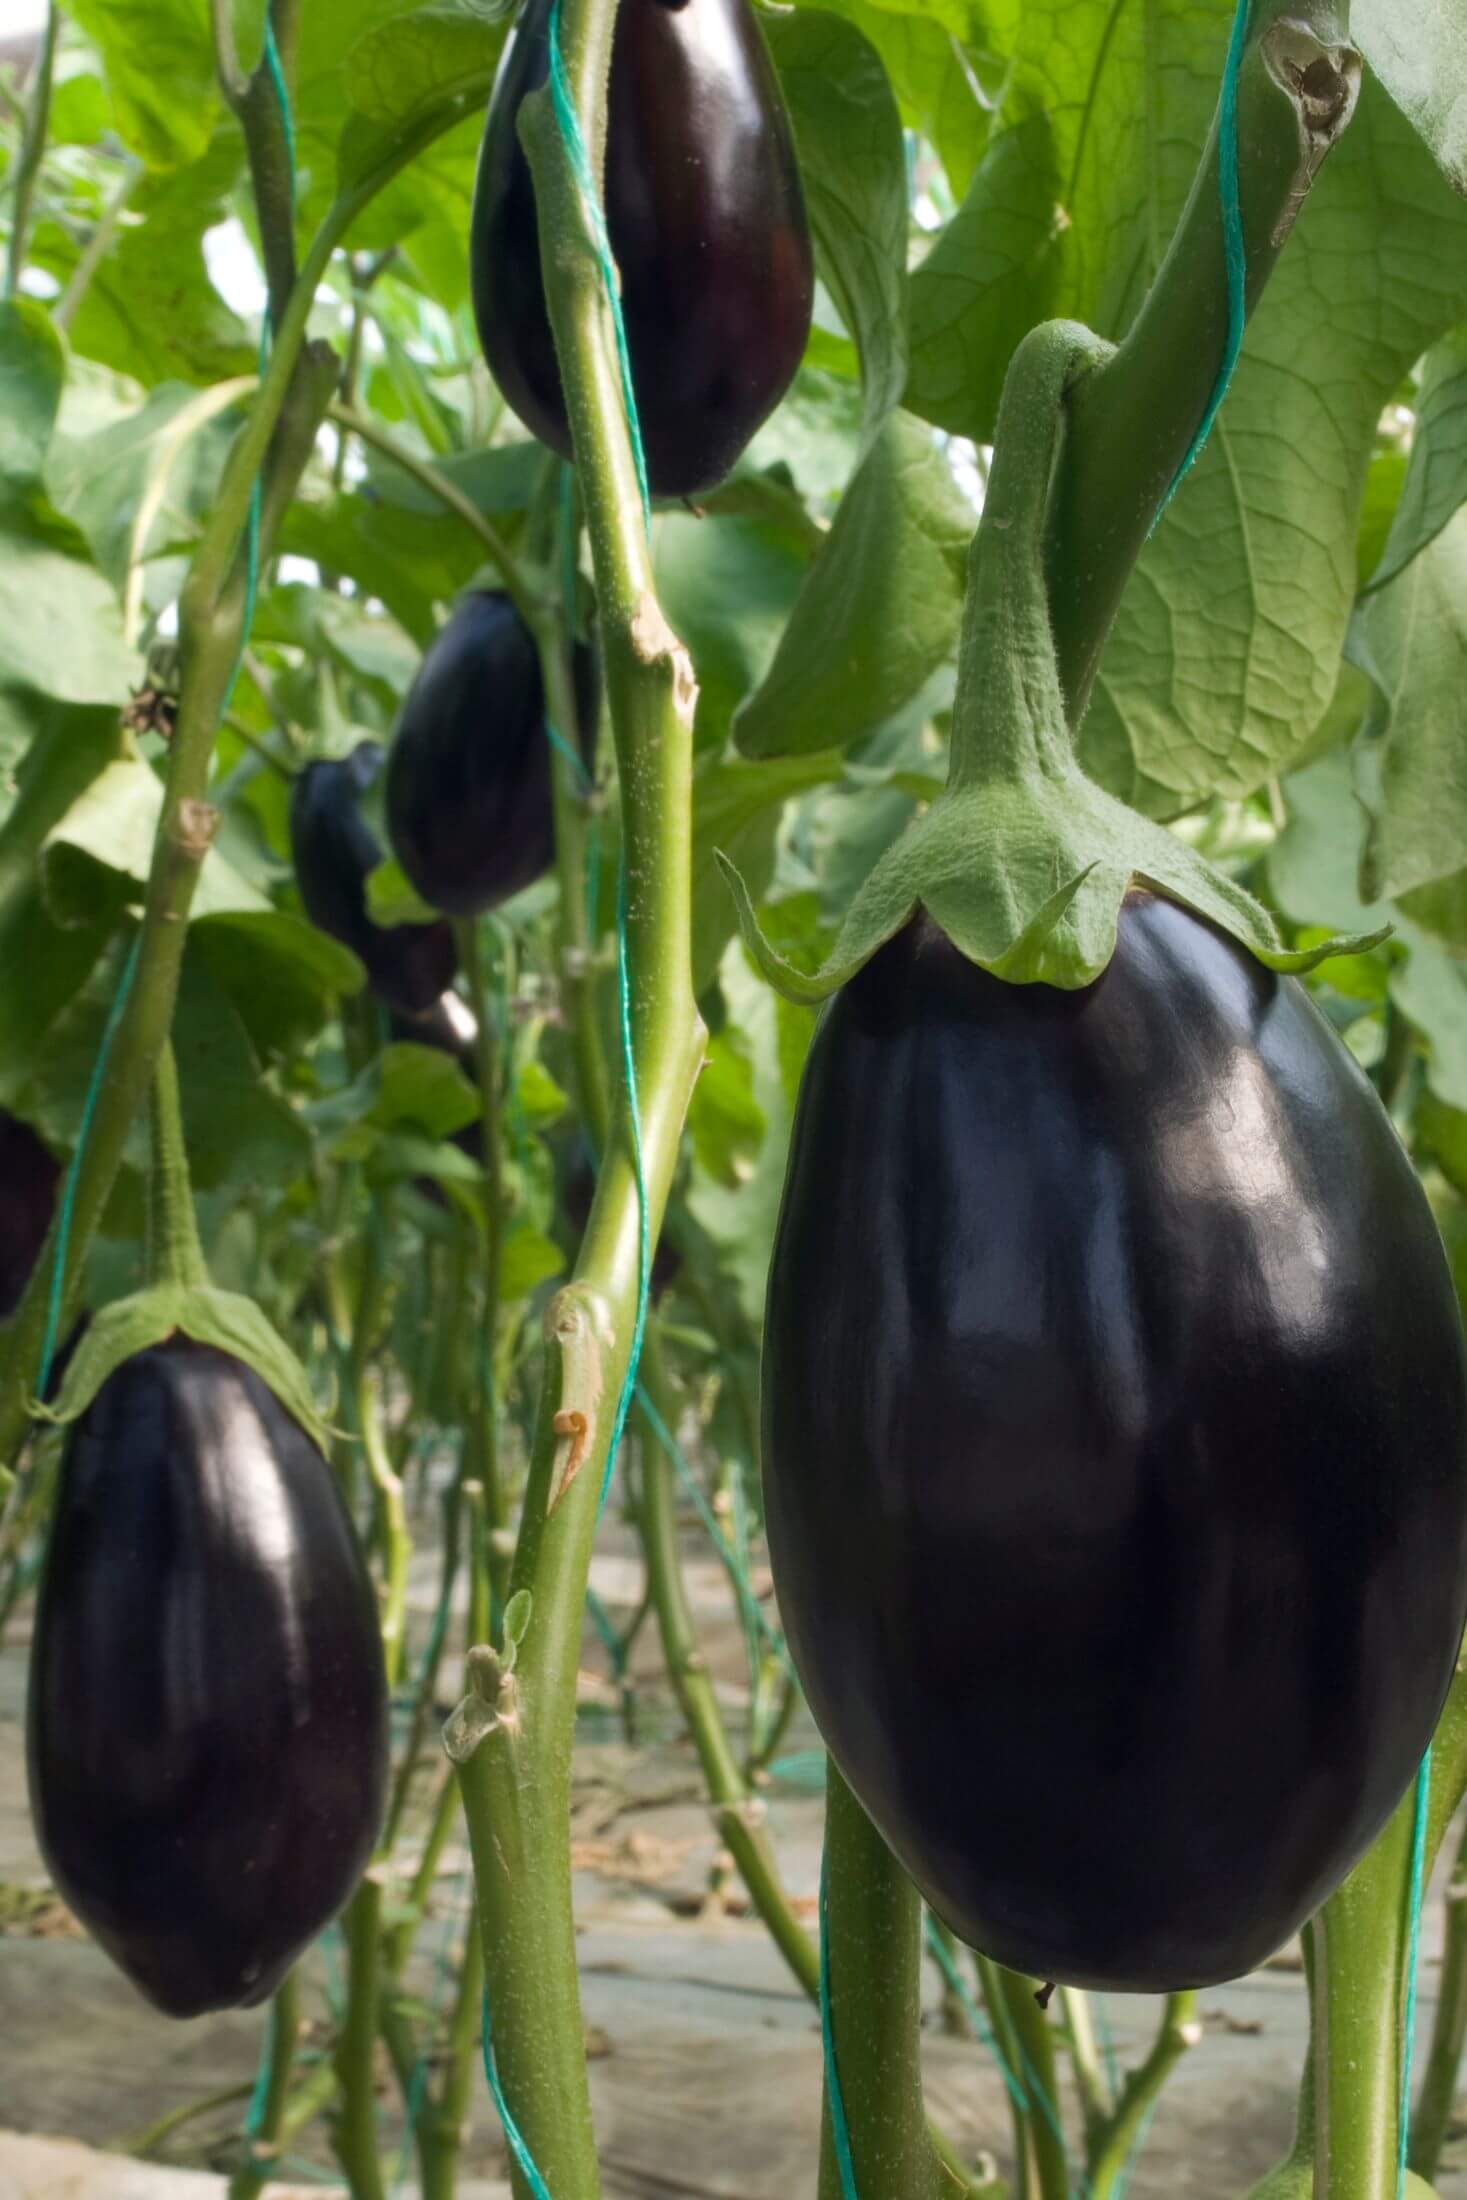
982	2029
1413	1957
255	2114
73	1171
538	2187
1235	250
575	146
644	1240
834	2099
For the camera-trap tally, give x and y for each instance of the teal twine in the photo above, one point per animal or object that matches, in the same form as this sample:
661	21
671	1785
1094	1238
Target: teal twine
835	2101
1235	253
644	1245
73	1171
575	145
749	1603
255	2114
601	1621
1413	1958
538	2187
982	2029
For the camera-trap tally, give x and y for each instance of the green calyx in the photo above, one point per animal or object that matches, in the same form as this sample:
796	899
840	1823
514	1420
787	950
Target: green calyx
1022	861
224	1319
180	1300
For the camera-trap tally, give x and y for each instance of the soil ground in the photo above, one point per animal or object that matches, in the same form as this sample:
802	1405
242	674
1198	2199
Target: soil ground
705	2058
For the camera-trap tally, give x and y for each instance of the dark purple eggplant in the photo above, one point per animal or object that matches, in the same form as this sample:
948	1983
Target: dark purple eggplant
707	221
468	780
207	1723
28	1181
335	851
1115	1447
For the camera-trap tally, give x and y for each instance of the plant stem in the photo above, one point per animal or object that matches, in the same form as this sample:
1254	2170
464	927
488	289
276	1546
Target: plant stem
1033	2038
1022	2110
32	147
391	1514
1432	2113
874	1941
518	585
444	2117
147	2141
264	2152
516	1784
739	1815
1133	419
1084	2056
466	932
98	245
356	2120
210	638
1116	2136
1360	1951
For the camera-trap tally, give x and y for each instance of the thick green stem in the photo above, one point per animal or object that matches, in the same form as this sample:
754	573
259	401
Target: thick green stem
265	2141
1084	2056
996	2004
1360	1953
516	1783
874	1987
356	2117
414	1908
32	147
482	1376
174	1252
1432	2113
1115	2138
740	1816
445	2114
1032	2036
1133	420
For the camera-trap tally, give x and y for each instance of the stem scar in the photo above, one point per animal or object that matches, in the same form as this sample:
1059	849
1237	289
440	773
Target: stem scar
576	1321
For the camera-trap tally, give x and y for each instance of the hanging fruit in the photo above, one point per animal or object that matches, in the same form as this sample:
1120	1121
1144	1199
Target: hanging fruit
207	1715
707	221
468	778
335	850
1115	1411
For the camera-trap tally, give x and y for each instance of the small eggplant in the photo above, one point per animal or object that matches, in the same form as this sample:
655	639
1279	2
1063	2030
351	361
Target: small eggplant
335	850
468	781
207	1724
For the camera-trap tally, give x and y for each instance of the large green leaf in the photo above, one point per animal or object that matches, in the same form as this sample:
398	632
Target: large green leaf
727	585
169	451
1226	649
737	807
158	58
31	374
1411	637
1436	477
853	160
937	71
1418	49
880	608
101	851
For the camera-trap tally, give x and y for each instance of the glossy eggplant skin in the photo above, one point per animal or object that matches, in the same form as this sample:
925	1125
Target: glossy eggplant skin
207	1726
707	220
1115	1448
468	778
28	1180
335	850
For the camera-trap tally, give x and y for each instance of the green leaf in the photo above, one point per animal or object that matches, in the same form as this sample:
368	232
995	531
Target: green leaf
412	73
393	899
853	161
1418	49
880	608
407	1087
1443	1131
1411	638
32	370
737	808
1436	476
283	976
1430	989
238	1131
935	69
151	310
1226	649
158	60
728	585
110	830
537	1096
171	448
725	1121
527	1259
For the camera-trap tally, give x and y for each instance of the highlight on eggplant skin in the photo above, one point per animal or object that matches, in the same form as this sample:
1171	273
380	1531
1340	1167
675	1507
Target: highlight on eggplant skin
707	219
469	806
207	1718
335	851
1115	1448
